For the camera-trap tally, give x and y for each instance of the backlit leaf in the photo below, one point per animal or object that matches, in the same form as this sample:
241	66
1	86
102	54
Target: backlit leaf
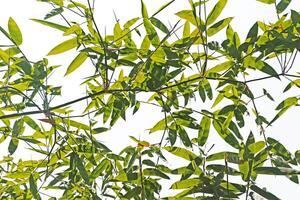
64	46
14	31
77	62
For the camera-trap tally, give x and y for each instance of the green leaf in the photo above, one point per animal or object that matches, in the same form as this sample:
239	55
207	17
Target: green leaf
267	1
184	137
276	171
25	65
216	11
18	129
14	31
79	59
13	145
164	6
283	107
51	24
82	170
189	16
54	12
155	172
161	125
257	147
226	135
221	67
229	156
263	193
181	152
203	130
279	149
266	68
187	183
33	187
290	101
282	5
291	84
64	46
186	30
99	169
151	33
144	10
4	56
158	24
133	193
31	123
218	26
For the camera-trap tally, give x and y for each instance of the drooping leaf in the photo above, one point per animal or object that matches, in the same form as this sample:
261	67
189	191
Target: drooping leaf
184	137
204	130
33	187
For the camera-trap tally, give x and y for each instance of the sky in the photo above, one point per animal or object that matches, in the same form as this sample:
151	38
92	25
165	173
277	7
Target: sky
38	40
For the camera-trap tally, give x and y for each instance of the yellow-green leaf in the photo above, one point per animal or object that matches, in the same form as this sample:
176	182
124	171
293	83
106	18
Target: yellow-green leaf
181	152
144	10
267	1
80	58
51	24
14	31
221	67
4	56
218	26
216	11
64	46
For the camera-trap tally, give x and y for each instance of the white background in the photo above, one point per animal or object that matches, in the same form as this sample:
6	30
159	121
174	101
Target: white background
38	40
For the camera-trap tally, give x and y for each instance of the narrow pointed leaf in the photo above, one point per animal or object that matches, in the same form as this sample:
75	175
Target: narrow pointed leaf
216	11
64	46
14	31
77	62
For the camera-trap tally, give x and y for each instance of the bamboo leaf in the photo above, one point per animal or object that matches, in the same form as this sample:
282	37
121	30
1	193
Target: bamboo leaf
51	24
282	5
216	11
264	193
155	172
14	31
64	46
187	183
267	1
54	12
203	130
214	29
181	152
144	10
33	187
77	62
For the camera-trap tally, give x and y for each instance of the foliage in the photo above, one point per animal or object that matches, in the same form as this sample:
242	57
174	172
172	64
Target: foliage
175	69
